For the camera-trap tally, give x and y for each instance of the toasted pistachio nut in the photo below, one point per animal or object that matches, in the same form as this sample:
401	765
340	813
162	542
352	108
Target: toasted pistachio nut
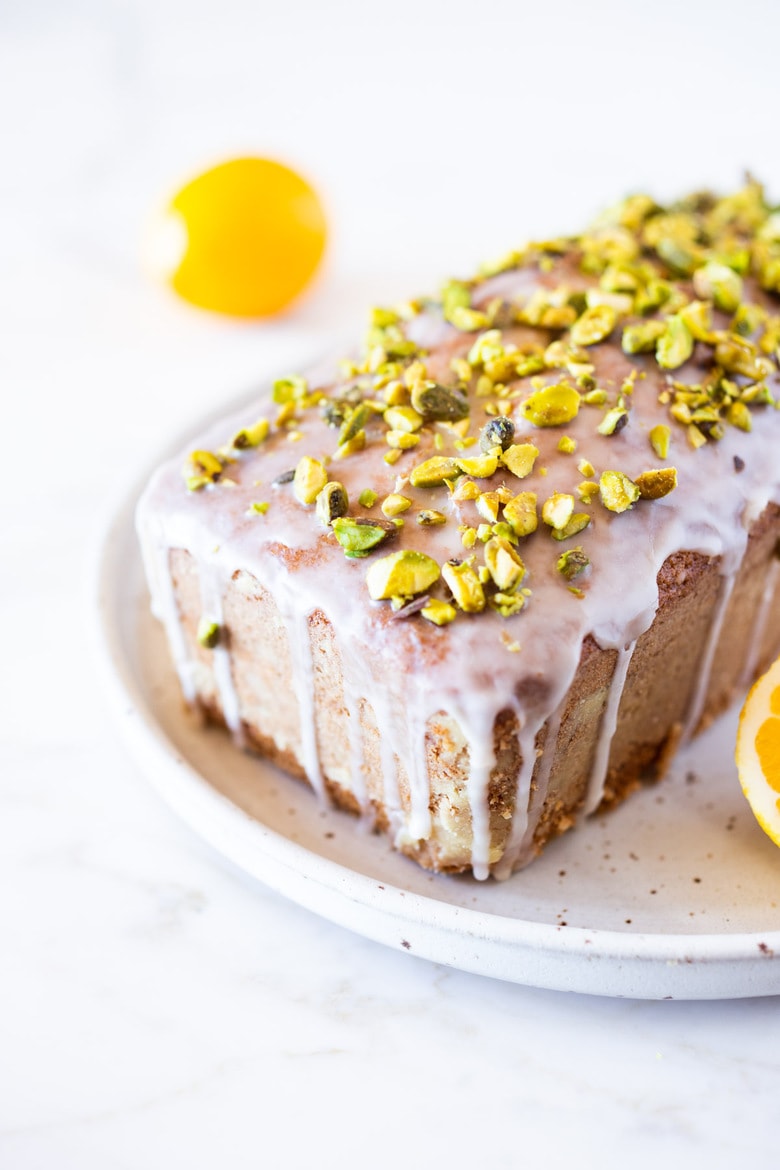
465	586
289	389
352	446
503	563
488	504
595	397
499	432
658	482
434	471
251	436
454	294
480	466
331	502
394	504
660	437
359	537
435	402
737	355
208	633
613	421
507	605
618	492
567	445
392	456
468	535
519	458
552	406
401	574
379	318
505	531
258	508
429	518
572	562
720	284
557	509
619	302
748	319
594	325
403	418
441	613
698	317
578	521
585	467
395	393
654	294
285	477
203	468
520	513
401	440
354	422
675	345
681	257
309	480
738	414
642	338
465	489
587	490
468	320
367	498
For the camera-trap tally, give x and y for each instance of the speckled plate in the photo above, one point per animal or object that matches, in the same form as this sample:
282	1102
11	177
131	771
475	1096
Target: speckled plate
676	895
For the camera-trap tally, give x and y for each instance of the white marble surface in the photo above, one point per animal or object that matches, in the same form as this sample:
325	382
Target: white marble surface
156	1009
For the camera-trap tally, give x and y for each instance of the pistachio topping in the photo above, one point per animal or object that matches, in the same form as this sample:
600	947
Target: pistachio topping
440	613
656	483
309	479
480	466
504	564
394	504
618	492
401	574
331	502
367	498
551	406
438	403
642	338
613	421
594	325
251	436
430	518
359	537
464	585
557	509
575	524
258	507
208	634
572	562
660	437
521	515
719	284
434	471
519	458
675	345
499	432
203	467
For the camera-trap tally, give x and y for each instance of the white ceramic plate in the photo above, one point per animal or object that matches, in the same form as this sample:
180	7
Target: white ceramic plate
675	895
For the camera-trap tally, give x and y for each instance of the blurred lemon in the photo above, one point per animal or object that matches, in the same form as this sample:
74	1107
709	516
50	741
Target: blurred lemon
244	238
758	751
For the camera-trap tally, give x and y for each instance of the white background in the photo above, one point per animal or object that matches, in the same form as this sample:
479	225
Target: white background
155	1009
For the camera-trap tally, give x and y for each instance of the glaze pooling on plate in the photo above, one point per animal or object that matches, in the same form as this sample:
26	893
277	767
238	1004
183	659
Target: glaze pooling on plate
485	664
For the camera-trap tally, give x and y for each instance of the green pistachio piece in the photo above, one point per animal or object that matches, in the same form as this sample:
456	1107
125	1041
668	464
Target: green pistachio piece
587	490
519	458
585	467
434	471
354	422
557	509
654	294
439	403
596	397
572	562
551	406
503	563
289	390
394	504
480	466
738	414
738	355
332	501
578	521
660	437
251	436
258	507
359	537
401	440
455	294
594	325
208	633
618	492
468	320
309	480
642	338
520	513
367	498
429	518
613	421
567	445
681	257
655	484
465	586
403	418
720	284
499	432
440	613
675	346
352	446
401	574
698	317
748	319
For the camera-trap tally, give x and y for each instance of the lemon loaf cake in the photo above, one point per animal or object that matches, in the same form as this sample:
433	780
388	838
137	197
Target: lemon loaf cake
483	576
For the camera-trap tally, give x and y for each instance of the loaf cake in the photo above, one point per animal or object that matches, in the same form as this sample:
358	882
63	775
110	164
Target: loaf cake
481	577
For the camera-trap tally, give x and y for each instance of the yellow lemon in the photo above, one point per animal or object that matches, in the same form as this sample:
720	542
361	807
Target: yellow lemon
244	238
758	751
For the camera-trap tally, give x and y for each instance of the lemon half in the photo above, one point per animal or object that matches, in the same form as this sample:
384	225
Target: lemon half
758	751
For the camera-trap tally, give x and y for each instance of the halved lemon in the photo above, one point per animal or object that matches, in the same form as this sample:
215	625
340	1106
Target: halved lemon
758	751
244	238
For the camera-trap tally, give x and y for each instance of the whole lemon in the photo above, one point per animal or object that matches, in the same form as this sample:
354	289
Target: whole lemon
244	238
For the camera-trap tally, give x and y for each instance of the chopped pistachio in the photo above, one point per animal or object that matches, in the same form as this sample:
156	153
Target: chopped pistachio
441	613
618	492
520	513
481	466
359	537
720	284
519	458
403	418
394	504
401	574
484	532
675	345
468	535
578	521
499	432
309	480
503	563
435	402
594	325
488	504
259	507
464	584
595	397
737	355
429	517
332	501
434	471
567	445
354	422
642	338
695	437
698	317
367	498
203	468
572	562
401	440
285	477
352	446
251	436
557	509
468	320
208	633
660	437
658	482
739	416
613	421
587	490
287	389
585	467
551	406
465	489
392	456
